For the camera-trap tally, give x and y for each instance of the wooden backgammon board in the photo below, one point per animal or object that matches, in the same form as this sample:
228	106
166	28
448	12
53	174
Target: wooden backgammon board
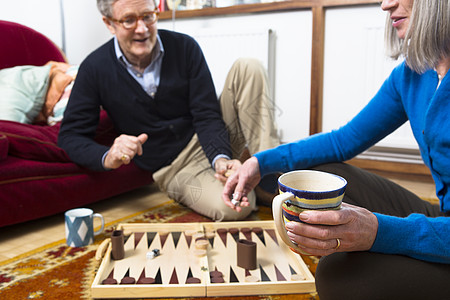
198	260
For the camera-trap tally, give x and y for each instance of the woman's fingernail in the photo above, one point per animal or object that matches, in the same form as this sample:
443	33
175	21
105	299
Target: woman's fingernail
304	216
290	226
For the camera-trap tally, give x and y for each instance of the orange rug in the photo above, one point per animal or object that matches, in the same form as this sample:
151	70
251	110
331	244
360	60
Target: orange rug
57	271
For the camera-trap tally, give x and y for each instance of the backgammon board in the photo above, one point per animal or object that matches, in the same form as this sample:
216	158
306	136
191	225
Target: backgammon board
198	260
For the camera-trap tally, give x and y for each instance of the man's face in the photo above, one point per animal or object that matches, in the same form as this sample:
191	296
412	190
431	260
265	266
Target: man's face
137	43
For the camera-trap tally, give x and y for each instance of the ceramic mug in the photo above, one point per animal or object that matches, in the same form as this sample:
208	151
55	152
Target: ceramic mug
80	226
305	190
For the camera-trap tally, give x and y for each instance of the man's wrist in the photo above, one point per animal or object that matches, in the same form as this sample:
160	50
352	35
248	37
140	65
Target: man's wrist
217	157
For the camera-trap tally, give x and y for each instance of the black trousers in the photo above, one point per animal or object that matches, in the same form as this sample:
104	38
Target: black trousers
366	275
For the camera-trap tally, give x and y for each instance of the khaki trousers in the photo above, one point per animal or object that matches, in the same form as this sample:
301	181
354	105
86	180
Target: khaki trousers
248	113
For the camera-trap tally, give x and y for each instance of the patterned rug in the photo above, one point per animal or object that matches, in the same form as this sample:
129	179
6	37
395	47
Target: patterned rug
57	271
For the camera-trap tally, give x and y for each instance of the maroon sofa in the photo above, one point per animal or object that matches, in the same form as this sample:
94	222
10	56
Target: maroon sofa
37	178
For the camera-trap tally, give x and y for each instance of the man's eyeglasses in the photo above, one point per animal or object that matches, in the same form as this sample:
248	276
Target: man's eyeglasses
130	22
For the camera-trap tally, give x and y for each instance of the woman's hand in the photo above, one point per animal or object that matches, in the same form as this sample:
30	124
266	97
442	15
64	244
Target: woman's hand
240	183
123	150
355	227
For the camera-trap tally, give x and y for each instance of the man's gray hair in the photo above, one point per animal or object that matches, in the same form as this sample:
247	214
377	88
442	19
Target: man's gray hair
105	7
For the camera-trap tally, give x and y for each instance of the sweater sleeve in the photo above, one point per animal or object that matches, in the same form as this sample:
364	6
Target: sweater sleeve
416	236
80	122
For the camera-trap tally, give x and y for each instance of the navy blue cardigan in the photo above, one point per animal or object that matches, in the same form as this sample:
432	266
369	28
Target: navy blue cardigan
185	103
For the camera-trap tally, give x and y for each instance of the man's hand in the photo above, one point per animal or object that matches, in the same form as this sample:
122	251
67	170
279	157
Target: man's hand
240	183
225	167
124	149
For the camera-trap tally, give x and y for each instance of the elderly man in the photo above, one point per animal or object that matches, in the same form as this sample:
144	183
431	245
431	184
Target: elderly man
157	89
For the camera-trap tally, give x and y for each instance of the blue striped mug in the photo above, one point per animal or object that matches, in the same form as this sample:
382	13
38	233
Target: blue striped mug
305	190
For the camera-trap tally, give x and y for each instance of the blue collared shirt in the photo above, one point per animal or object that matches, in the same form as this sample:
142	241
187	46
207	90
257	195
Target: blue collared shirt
149	79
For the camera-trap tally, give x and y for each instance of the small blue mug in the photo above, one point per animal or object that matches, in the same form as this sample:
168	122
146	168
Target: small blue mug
80	227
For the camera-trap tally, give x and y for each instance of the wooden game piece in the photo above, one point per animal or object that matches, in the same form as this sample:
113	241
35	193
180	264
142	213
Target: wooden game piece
216	273
102	249
246	254
216	276
128	280
145	280
193	280
190	232
217	280
251	278
117	243
210	234
198	235
109	281
201	244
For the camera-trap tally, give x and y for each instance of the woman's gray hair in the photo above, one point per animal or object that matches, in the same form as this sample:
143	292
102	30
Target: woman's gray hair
427	39
105	7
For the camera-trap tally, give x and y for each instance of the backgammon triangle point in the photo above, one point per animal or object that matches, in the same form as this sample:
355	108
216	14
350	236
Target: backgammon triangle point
273	235
176	237
137	238
150	238
158	278
264	276
174	277
233	277
280	276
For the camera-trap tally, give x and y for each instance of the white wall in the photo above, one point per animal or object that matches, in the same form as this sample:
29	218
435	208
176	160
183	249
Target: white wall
43	16
355	66
292	34
85	30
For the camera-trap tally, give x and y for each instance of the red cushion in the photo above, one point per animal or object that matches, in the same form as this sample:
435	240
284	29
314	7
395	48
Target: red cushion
22	45
39	142
33	142
4	146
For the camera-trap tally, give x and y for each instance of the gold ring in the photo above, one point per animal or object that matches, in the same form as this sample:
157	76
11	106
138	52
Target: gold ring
338	244
125	157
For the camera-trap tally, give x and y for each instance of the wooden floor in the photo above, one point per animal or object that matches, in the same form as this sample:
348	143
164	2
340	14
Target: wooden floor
19	239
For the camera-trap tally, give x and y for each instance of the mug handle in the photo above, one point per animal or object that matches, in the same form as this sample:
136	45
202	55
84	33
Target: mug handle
279	221
103	223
